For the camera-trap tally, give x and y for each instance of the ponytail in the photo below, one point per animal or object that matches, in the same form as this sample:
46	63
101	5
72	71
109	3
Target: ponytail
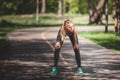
62	32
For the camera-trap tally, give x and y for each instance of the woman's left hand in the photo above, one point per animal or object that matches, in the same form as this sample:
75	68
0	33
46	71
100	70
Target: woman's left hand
76	46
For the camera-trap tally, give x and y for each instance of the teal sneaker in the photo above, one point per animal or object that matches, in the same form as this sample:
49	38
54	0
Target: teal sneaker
79	70
54	70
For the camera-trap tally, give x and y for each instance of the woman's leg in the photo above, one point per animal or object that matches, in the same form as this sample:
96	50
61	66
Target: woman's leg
56	53
77	53
56	56
76	50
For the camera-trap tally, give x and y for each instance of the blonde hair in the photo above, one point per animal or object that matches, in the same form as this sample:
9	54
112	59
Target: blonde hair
62	32
62	29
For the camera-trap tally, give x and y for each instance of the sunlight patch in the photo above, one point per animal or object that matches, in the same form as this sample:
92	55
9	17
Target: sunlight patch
27	63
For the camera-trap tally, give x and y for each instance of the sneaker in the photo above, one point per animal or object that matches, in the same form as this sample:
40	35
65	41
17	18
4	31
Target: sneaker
54	70
79	70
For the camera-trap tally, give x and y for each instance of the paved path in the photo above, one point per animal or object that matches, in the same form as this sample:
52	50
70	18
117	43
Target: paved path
31	58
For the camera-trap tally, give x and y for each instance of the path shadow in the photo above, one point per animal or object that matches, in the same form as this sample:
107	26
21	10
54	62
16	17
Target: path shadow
7	26
26	60
31	60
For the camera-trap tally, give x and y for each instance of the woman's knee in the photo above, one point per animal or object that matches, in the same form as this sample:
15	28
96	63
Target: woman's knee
57	45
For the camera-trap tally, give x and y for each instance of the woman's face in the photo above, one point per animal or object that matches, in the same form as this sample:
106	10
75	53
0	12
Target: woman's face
68	26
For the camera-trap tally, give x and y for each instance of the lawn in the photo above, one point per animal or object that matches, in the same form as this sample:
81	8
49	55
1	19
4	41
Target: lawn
46	19
108	40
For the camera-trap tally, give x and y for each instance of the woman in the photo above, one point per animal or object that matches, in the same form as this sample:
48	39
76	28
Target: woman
67	29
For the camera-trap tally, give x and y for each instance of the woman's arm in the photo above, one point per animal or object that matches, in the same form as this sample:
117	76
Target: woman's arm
75	34
75	38
60	38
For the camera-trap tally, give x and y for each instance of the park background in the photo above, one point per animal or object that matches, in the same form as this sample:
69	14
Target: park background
30	57
17	14
20	14
57	9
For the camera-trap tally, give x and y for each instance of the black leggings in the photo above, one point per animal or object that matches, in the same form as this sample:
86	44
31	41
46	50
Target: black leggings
76	50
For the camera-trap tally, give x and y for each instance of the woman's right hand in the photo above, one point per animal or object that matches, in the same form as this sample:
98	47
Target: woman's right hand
57	45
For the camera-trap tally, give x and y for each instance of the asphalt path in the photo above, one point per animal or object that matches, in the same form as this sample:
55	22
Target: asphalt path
31	57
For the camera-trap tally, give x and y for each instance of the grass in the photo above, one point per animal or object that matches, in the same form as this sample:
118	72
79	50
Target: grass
49	19
108	40
46	19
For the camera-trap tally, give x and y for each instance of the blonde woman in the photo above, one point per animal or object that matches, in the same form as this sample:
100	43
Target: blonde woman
67	29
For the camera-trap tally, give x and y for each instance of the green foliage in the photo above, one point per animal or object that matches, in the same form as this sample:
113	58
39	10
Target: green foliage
29	6
108	40
7	7
17	6
52	6
110	6
96	2
83	6
25	6
73	6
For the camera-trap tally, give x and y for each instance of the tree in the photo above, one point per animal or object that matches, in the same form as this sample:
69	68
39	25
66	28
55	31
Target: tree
116	16
71	6
106	15
60	11
37	10
43	10
95	13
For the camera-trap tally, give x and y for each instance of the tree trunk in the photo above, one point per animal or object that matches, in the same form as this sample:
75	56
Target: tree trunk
92	10
116	16
95	13
60	8
79	6
43	10
37	10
